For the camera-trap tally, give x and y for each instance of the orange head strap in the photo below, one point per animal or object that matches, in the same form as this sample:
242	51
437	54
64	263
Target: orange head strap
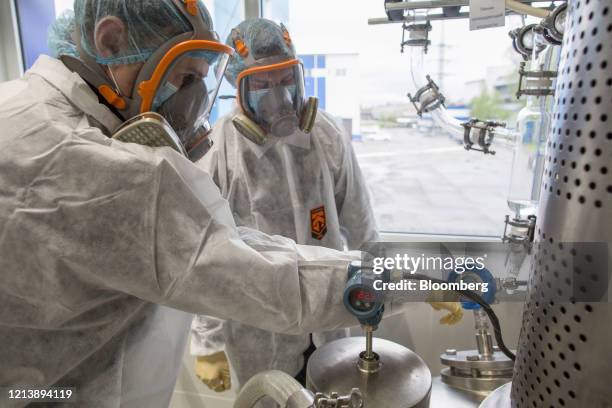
286	36
192	6
239	45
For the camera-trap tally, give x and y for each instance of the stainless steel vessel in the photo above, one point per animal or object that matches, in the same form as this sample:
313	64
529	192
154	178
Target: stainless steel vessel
399	379
564	352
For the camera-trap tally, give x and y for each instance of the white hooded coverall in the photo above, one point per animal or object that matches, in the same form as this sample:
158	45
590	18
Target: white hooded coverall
307	187
103	242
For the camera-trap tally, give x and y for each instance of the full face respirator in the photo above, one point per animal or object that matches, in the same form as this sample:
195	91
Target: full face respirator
271	95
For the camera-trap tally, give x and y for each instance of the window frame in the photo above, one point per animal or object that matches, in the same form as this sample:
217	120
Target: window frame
253	8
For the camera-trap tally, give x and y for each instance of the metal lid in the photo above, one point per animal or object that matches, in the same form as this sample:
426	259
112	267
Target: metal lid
403	380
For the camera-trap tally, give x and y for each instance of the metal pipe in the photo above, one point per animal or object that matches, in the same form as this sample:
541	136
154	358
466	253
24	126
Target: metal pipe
411	19
484	342
430	17
527	9
369	348
252	9
441	116
426	4
512	7
412	5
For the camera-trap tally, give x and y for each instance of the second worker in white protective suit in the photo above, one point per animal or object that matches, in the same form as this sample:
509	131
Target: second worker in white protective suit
288	169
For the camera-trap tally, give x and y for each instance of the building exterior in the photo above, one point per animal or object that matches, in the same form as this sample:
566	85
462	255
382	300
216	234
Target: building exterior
331	62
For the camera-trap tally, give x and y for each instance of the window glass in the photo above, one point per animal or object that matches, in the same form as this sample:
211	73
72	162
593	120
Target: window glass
421	179
62	5
226	15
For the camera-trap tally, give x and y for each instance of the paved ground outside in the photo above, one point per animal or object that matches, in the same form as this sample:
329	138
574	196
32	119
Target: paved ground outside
428	183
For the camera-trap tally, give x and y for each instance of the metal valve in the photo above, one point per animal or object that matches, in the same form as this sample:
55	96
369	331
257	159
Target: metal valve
353	400
418	36
519	230
511	284
536	83
480	133
428	98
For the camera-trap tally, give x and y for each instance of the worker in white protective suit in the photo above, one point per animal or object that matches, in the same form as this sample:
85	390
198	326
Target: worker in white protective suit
279	178
104	245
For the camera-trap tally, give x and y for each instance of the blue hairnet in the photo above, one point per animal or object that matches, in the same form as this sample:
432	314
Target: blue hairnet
60	39
150	24
264	38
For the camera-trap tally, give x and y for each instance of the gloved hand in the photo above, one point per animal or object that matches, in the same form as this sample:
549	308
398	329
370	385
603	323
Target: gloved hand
455	311
214	371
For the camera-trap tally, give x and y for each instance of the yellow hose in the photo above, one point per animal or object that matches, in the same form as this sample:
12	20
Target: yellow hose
526	9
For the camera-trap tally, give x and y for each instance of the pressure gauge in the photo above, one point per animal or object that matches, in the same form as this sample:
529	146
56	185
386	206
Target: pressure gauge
361	298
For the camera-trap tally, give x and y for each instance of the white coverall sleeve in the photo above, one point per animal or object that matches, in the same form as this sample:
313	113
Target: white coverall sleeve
148	223
208	333
355	212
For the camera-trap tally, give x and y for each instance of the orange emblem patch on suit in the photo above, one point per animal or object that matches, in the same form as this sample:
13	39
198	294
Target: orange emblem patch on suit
318	223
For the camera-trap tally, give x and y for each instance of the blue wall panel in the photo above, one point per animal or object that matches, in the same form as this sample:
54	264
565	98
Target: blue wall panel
35	18
308	60
315	86
321	92
310	87
321	61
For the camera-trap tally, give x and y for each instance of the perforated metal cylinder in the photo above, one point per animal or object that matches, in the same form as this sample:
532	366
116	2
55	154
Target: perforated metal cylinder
564	357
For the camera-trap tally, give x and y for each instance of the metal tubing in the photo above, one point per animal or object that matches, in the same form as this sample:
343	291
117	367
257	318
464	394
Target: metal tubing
369	352
413	5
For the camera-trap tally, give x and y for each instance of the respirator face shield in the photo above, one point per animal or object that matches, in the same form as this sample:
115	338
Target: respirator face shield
183	89
272	100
